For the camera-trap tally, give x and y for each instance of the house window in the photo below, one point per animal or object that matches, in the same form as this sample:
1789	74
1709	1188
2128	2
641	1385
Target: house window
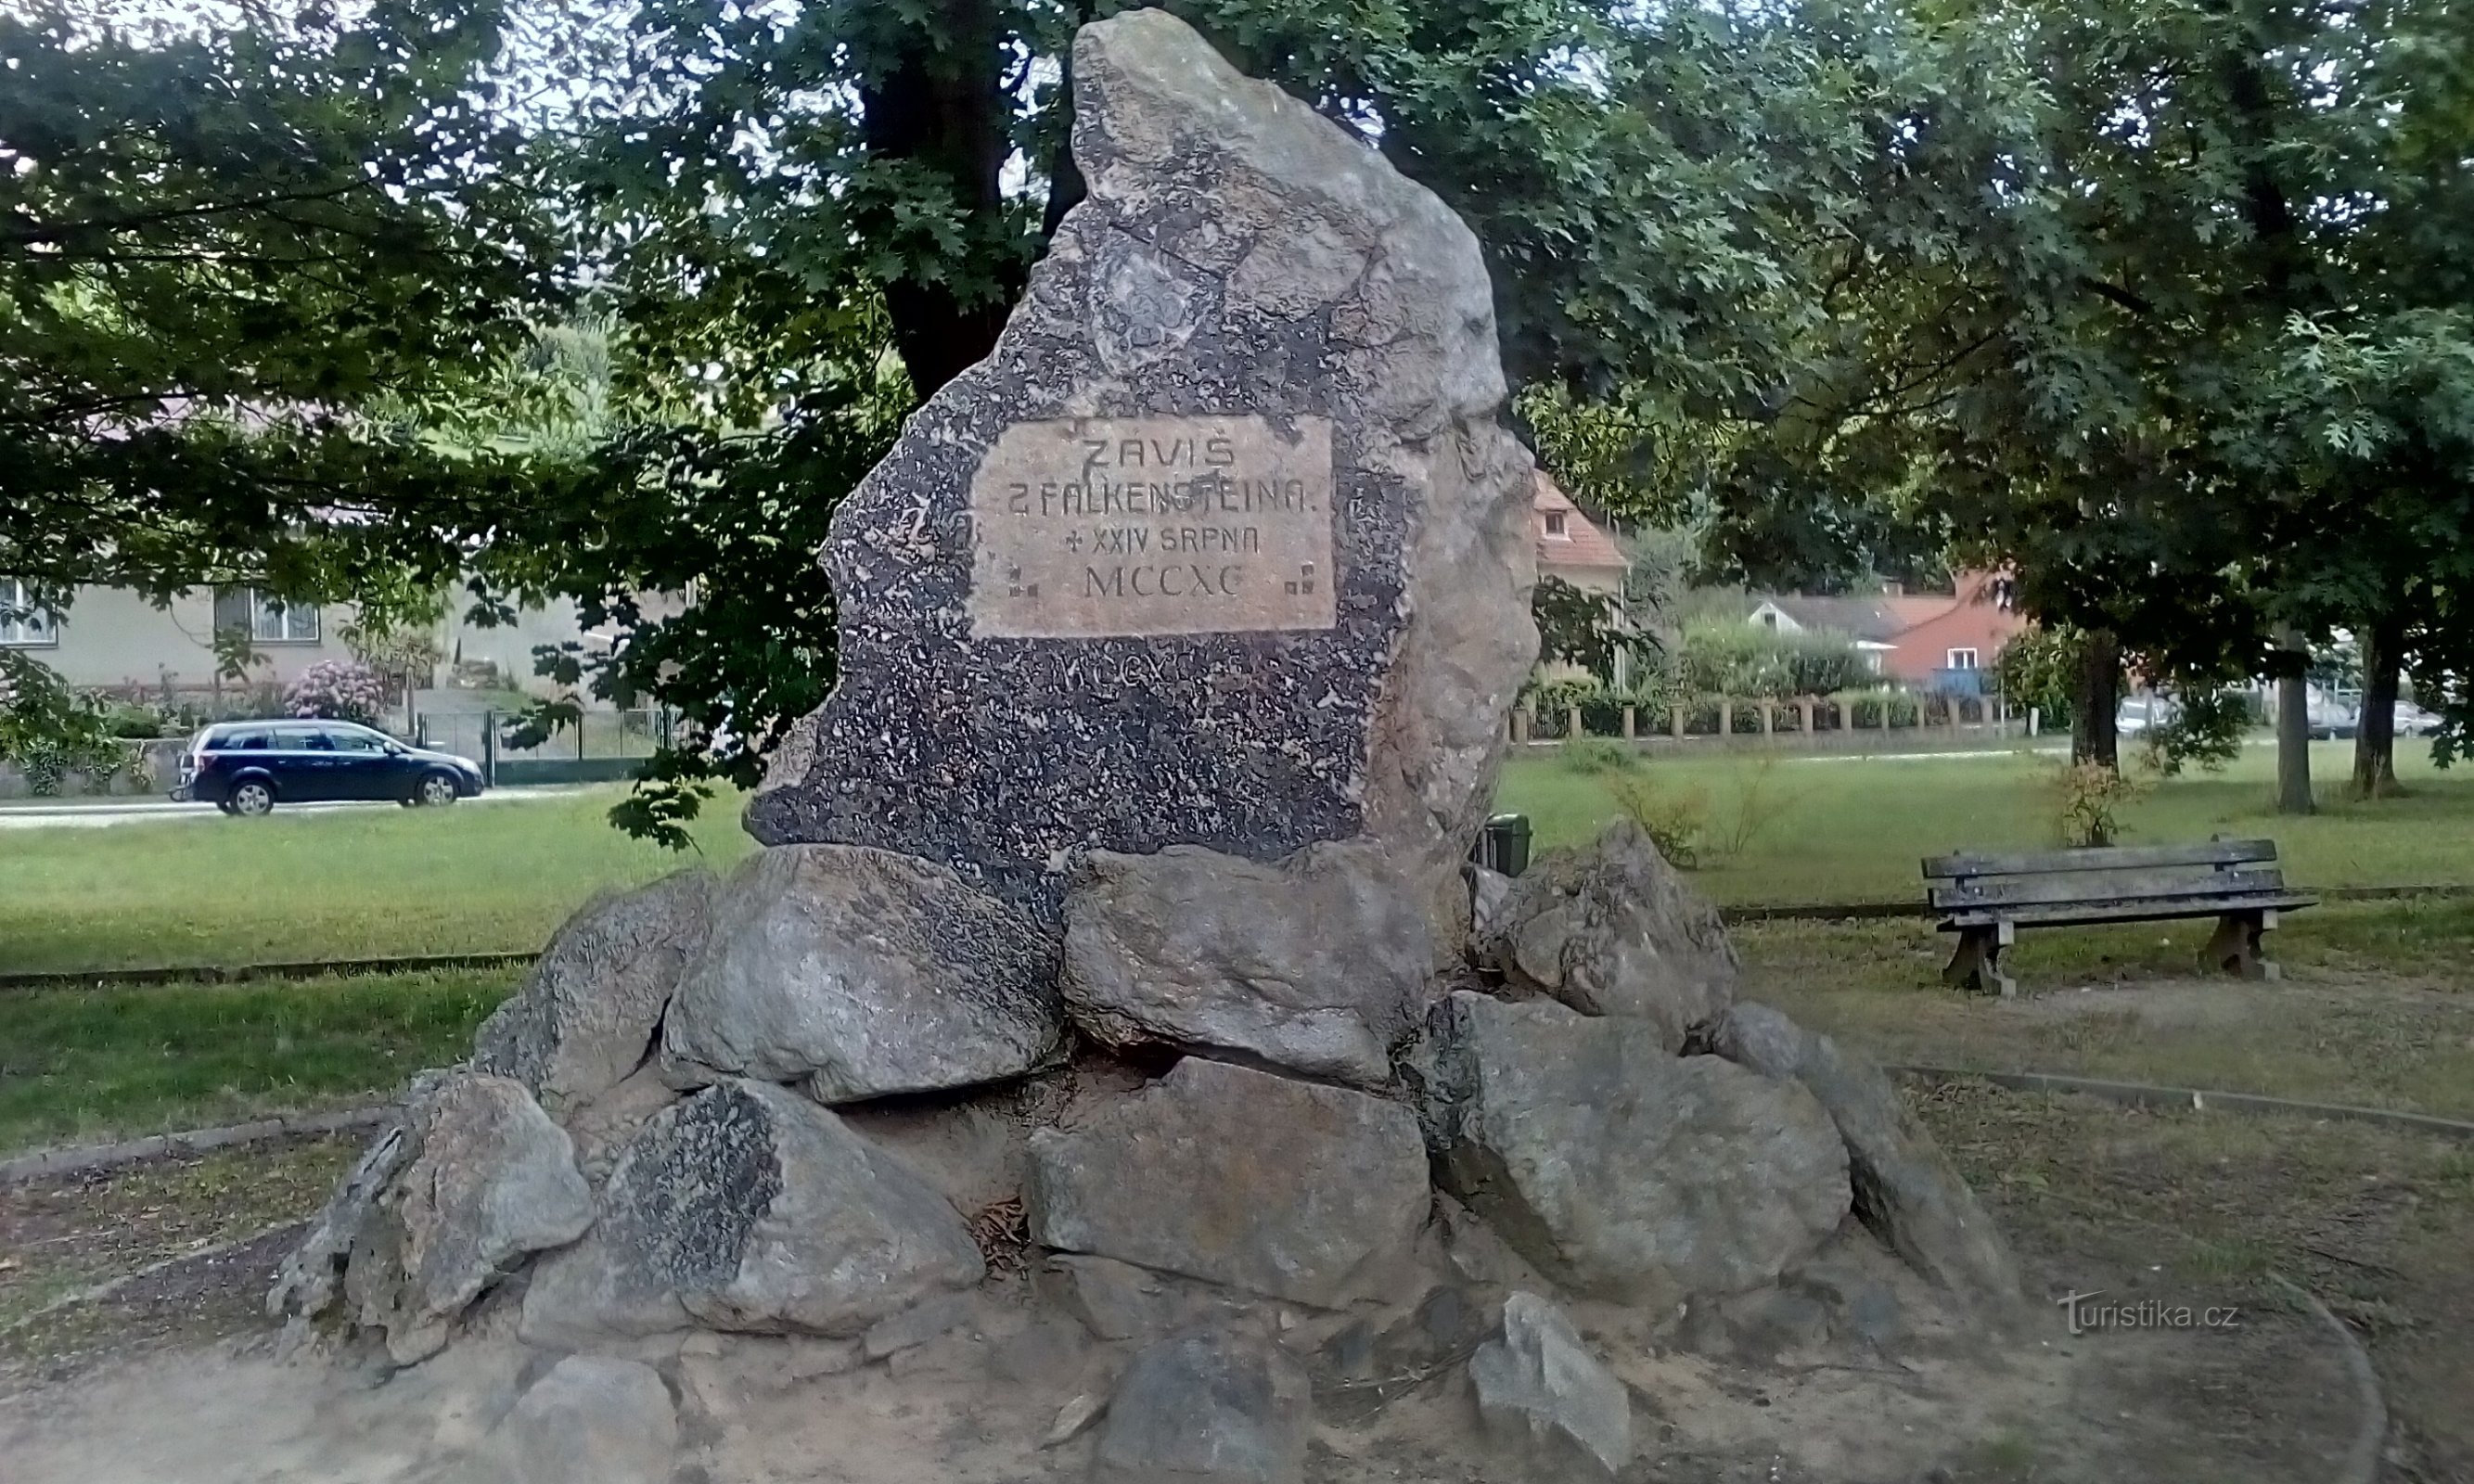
1769	619
1962	659
1555	524
268	619
22	625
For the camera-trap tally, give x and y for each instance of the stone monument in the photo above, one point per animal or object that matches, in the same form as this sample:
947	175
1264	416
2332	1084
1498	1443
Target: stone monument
1110	971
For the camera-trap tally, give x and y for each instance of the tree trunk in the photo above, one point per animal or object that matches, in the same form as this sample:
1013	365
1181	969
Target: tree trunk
2096	701
2293	730
939	103
2375	731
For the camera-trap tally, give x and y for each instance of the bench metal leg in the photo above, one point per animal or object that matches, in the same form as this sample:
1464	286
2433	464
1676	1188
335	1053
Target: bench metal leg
1977	965
2236	947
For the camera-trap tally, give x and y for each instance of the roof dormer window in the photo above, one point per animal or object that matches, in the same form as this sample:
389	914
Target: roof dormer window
1557	525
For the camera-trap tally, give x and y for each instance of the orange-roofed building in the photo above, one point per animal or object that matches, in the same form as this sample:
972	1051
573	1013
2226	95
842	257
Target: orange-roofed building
1571	547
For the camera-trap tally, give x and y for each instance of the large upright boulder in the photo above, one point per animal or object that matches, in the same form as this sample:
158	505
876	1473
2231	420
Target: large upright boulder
1905	1188
1239	445
472	1179
1316	964
1623	1172
866	974
748	1208
586	1013
1236	1177
1612	930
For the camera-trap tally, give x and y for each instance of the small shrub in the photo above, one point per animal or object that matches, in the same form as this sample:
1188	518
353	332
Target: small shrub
2088	797
1675	820
1598	755
1760	800
2207	729
339	690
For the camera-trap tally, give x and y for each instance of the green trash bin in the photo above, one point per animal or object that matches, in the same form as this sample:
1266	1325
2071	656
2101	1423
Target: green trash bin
1504	844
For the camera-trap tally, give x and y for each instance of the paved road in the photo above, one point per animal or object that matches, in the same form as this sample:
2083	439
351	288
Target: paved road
102	814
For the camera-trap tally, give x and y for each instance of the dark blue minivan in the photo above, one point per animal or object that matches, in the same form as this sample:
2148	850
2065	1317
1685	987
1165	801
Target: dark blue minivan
246	768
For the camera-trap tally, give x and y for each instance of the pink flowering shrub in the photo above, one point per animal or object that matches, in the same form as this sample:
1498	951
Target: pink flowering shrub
339	690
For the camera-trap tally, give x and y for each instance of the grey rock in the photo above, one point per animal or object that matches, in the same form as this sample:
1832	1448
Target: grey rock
1074	1418
917	1324
1905	1189
589	1421
1238	255
1236	1177
1489	893
587	1012
868	974
1316	964
1539	1389
748	1208
1622	1172
1612	930
1765	1325
1208	1406
447	1203
1117	1300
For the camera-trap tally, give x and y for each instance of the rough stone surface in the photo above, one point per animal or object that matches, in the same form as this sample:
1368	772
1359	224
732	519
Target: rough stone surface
1117	1300
868	974
588	1421
445	1203
748	1208
1905	1189
1489	891
1236	1177
1238	257
1622	1172
585	1017
1539	1389
1612	930
1209	1406
1316	964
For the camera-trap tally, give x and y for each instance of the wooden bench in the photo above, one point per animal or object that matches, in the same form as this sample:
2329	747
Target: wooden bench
1986	899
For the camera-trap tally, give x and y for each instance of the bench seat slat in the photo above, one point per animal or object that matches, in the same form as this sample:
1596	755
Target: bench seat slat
2084	914
2104	886
2111	858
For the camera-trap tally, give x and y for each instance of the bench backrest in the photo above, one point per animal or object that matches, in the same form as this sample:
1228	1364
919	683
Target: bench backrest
2221	867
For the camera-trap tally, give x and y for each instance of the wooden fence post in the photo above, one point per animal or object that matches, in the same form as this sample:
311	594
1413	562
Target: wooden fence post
1632	722
1520	726
1769	717
1805	705
1675	721
1726	715
1572	723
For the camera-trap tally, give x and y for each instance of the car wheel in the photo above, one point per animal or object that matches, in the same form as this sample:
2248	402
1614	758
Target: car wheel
437	790
251	798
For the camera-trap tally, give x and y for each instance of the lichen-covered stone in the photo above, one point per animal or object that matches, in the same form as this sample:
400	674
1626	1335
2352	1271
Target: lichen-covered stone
1610	929
586	1016
1622	1172
1236	1177
1316	964
1907	1191
866	974
748	1208
1238	256
447	1201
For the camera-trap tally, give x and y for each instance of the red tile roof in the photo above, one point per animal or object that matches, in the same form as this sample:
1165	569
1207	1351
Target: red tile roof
1582	544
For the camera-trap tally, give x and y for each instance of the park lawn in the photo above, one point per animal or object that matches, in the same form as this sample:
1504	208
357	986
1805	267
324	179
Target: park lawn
348	884
1853	830
84	1066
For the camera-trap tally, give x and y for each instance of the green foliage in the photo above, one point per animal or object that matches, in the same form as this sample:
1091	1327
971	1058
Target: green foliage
2207	728
1579	627
48	729
2040	668
1724	658
1676	820
1596	755
2088	799
1551	702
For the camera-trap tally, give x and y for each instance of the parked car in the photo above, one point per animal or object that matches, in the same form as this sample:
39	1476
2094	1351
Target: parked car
2140	713
2411	721
2331	720
246	768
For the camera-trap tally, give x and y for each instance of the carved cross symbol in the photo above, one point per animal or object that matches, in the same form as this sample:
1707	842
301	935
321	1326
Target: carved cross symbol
1073	542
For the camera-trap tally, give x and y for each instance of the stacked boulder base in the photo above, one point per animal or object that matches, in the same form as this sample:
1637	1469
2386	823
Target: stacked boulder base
1235	1208
1145	998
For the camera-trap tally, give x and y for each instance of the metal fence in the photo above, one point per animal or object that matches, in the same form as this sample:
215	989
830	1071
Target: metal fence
600	746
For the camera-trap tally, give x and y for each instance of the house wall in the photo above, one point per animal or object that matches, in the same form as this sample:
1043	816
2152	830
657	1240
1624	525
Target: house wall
112	637
1978	624
1589	579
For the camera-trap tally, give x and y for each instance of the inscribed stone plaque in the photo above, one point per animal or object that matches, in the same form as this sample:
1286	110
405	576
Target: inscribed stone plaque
1087	528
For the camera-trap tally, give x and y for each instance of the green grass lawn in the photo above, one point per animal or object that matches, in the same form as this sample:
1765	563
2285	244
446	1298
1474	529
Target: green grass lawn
1853	830
87	1065
348	884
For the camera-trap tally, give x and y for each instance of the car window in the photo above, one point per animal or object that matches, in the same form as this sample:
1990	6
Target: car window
250	741
297	739
342	740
